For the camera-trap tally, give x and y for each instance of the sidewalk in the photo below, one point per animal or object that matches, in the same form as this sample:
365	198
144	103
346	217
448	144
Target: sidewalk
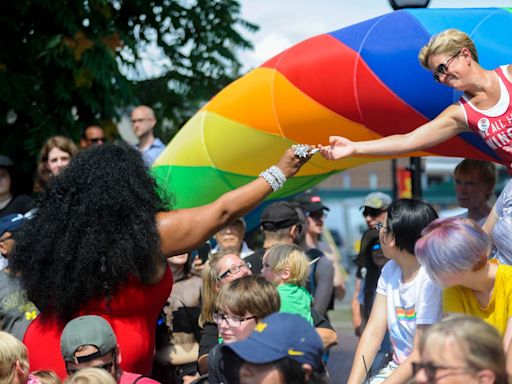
341	356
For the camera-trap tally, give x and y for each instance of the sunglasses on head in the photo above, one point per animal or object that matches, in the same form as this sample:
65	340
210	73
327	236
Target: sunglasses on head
442	68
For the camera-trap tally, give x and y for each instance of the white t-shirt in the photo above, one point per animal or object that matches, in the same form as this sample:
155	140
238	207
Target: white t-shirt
418	302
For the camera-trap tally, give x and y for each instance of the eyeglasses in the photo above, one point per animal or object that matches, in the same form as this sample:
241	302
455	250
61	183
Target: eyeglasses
443	67
232	321
381	225
431	369
96	140
135	121
318	215
372	212
234	270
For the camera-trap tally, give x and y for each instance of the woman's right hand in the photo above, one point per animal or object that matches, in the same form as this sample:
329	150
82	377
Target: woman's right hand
339	147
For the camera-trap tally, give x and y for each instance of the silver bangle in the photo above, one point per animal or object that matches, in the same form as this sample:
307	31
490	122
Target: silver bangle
278	174
269	178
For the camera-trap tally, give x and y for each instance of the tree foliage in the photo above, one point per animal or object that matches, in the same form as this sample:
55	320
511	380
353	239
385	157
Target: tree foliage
67	63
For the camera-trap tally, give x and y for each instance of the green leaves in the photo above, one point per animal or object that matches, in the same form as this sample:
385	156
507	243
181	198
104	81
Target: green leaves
60	56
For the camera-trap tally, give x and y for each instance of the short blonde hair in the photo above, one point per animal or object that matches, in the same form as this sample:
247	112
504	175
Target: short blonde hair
449	41
479	343
291	257
46	377
11	350
91	376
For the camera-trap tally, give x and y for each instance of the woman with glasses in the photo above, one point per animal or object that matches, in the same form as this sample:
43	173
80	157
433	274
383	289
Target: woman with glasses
407	301
461	350
455	253
222	267
99	243
239	306
484	108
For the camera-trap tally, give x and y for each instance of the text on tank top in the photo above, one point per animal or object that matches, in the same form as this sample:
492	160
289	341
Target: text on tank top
494	125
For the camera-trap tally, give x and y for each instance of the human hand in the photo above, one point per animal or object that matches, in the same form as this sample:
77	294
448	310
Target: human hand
290	163
339	147
197	265
187	379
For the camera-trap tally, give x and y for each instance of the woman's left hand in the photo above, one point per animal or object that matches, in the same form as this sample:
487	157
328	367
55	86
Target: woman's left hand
290	163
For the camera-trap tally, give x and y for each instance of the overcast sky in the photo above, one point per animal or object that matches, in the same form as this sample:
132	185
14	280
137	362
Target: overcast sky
284	23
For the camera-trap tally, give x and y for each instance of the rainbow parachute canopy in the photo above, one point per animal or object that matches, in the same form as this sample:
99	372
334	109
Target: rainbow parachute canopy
361	82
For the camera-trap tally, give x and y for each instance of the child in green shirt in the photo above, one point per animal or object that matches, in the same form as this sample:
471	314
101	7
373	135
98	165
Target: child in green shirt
287	267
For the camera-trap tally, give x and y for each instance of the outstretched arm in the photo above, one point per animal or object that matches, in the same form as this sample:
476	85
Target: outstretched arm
448	124
370	340
185	229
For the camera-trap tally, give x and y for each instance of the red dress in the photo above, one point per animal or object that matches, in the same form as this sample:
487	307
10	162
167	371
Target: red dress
132	313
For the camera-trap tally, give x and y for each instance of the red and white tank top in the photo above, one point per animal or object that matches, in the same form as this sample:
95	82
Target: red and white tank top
494	125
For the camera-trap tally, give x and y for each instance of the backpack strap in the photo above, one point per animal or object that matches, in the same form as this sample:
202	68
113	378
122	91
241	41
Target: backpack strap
138	378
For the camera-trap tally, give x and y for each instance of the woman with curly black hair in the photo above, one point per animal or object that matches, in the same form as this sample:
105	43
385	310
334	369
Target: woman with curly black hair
99	243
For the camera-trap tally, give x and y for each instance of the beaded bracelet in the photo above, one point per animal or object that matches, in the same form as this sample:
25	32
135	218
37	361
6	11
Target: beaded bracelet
278	174
275	177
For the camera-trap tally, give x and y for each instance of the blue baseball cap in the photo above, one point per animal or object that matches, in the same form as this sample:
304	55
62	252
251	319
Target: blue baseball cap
11	223
278	336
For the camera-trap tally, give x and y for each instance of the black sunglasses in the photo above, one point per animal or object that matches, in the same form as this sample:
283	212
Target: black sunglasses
372	212
96	140
431	369
443	67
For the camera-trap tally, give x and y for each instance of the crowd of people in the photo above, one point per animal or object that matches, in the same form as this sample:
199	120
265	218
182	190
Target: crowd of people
102	282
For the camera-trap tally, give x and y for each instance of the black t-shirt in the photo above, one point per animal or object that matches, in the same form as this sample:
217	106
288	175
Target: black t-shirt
20	204
209	338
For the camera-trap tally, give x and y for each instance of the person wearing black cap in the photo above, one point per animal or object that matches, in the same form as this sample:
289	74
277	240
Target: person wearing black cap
12	198
16	311
282	223
315	211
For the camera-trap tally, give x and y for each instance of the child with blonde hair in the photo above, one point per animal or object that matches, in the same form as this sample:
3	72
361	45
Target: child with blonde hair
287	267
91	376
14	367
43	377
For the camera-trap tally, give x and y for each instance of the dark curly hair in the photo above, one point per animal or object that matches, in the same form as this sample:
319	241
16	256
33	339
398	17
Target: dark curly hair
95	226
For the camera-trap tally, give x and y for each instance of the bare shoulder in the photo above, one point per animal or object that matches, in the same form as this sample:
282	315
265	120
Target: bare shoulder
453	117
509	71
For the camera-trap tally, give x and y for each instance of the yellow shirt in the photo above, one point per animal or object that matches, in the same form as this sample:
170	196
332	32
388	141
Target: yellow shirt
462	300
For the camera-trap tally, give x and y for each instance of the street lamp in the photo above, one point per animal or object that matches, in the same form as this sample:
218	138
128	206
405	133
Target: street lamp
399	4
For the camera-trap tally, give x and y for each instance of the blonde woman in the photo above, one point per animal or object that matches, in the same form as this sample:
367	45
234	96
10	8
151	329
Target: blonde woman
461	349
452	58
14	367
221	268
286	266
